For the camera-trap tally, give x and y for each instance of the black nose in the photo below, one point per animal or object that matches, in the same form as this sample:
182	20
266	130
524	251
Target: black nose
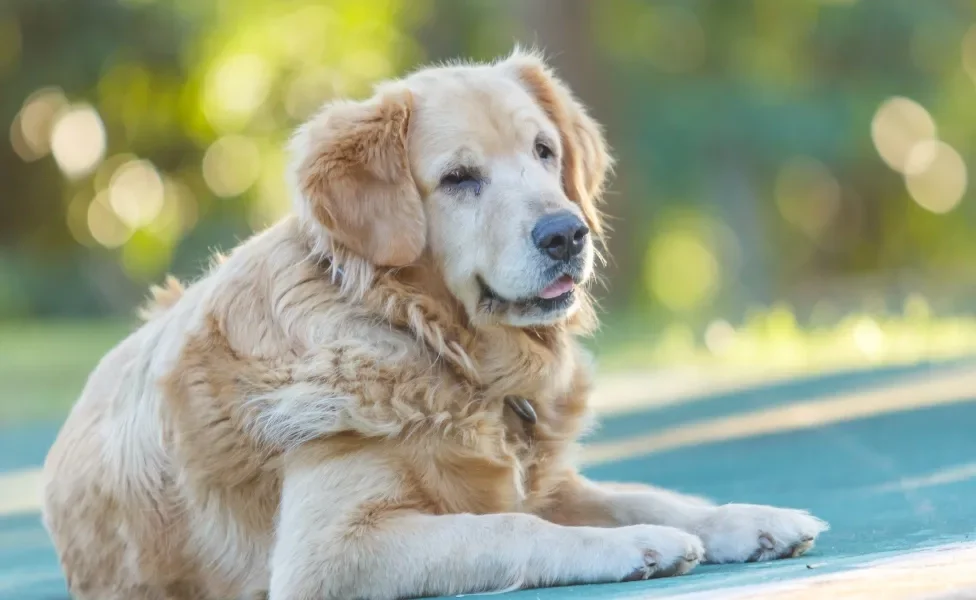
561	235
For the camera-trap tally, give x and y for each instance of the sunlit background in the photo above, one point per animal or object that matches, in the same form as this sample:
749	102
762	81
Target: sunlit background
793	189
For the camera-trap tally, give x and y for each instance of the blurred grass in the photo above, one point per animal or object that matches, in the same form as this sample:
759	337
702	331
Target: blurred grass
44	364
772	341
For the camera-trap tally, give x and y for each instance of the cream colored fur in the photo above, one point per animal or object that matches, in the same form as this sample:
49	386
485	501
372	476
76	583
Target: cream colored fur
322	414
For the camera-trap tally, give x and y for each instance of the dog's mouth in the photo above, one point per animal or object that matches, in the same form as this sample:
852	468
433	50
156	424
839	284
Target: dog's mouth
558	295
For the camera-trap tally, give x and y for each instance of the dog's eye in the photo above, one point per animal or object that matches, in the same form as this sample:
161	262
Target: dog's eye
462	180
543	151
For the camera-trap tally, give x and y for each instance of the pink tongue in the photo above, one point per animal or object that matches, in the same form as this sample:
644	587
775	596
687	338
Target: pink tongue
558	288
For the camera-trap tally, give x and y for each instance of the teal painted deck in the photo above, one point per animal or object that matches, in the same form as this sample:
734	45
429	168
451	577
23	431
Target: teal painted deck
891	483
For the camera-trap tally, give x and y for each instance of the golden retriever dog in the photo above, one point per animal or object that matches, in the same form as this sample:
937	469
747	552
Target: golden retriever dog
380	396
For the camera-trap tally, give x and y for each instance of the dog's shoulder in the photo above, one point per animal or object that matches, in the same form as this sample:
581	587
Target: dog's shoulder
278	353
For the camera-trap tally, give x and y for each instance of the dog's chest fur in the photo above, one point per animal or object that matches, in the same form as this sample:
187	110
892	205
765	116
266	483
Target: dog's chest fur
508	464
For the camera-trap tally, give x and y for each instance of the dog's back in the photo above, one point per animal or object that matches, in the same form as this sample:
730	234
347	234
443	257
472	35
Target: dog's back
108	498
120	517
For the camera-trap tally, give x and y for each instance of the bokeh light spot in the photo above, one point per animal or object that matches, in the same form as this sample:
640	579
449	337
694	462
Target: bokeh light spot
807	195
136	193
937	177
921	156
102	177
682	270
917	308
231	165
235	88
298	34
105	226
899	125
868	338
30	133
78	140
77	218
719	337
179	211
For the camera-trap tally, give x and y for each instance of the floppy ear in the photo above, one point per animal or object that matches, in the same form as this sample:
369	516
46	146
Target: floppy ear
354	180
586	160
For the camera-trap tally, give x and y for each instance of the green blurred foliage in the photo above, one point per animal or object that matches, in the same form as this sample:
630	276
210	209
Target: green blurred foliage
757	160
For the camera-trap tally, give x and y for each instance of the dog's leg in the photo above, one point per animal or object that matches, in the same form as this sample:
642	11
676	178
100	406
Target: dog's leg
350	528
731	533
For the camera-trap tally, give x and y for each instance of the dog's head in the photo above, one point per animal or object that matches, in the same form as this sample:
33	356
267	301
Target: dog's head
491	172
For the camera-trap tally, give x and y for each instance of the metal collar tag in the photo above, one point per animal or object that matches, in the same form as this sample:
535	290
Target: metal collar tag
521	407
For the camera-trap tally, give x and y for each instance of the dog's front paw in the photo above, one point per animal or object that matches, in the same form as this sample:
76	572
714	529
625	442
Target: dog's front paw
654	551
750	533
